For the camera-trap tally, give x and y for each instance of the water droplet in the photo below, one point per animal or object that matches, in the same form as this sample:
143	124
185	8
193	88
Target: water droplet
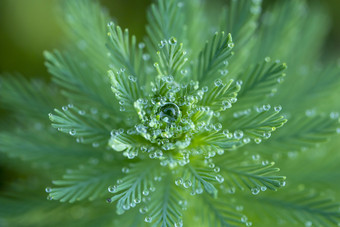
278	108
219	178
179	223
146	192
255	10
126	207
231	45
238	134
265	162
283	183
224	72
172	41
239	82
334	115
199	190
132	78
80	140
48	189
112	189
72	132
231	190
266	107
233	100
257	140
169	112
148	219
249	223
246	140
152	189
95	144
184	71
146	57
49	197
263	188
143	210
244	219
178	181
338	130
125	170
64	108
239	208
217	126
180	4
187	183
255	191
267	59
255	157
308	223
218	82
141	45
280	80
267	135
161	44
217	169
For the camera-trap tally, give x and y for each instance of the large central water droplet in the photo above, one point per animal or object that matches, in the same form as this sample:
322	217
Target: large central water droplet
169	111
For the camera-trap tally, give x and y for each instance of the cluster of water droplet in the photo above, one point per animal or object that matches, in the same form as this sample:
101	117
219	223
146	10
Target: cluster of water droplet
169	118
166	119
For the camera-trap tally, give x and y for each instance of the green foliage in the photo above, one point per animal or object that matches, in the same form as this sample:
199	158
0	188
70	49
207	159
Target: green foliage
86	182
255	175
169	210
165	19
262	80
216	212
17	91
171	58
301	206
213	57
124	52
179	130
221	97
132	187
87	128
198	178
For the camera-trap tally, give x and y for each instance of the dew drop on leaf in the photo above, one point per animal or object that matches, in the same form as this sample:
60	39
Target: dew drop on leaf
255	191
148	219
112	189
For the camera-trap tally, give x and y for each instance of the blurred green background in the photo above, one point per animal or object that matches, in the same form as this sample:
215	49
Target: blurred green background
27	27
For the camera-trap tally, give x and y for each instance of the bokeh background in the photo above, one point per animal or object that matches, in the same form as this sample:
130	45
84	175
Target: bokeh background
28	27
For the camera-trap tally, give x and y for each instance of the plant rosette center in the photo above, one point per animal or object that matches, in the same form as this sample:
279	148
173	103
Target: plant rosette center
169	120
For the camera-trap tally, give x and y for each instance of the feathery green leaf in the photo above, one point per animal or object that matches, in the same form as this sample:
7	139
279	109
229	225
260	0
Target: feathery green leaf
164	208
221	96
165	21
259	82
254	175
213	58
134	186
257	124
86	127
87	182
